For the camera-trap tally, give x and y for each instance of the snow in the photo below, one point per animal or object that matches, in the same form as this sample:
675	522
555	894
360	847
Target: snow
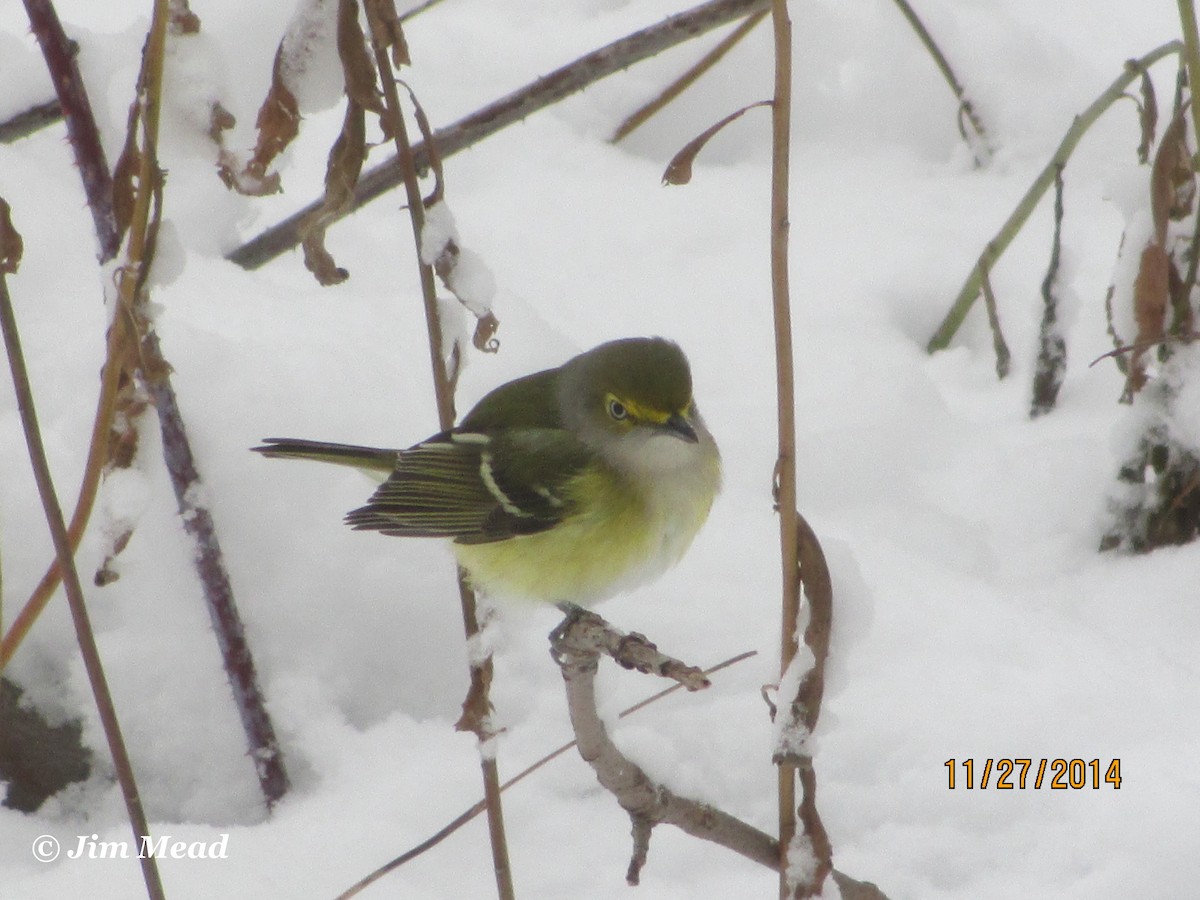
973	615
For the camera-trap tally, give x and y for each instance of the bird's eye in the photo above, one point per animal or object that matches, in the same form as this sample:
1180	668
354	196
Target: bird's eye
617	409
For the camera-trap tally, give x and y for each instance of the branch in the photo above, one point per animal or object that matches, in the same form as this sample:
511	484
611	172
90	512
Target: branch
29	121
485	122
475	810
639	117
81	124
62	547
997	245
577	644
209	561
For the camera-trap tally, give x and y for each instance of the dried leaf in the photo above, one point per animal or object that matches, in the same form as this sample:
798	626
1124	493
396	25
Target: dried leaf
1172	182
357	66
124	173
11	245
182	20
484	338
386	30
1151	291
679	169
278	124
1147	115
341	175
431	151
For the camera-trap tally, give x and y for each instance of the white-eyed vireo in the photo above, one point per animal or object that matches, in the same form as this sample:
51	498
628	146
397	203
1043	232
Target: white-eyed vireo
566	485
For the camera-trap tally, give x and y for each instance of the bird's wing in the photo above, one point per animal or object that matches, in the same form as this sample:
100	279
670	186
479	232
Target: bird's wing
477	487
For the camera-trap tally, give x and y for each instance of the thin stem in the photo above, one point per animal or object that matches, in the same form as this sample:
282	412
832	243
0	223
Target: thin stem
480	673
639	117
79	615
785	464
1016	220
965	106
30	121
1191	57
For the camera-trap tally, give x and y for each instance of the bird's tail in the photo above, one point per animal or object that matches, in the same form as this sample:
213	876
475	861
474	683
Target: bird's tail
374	460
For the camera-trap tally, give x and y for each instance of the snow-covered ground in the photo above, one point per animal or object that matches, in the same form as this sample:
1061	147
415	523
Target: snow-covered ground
974	617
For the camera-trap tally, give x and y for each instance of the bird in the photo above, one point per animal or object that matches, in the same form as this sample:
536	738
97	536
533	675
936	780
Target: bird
565	486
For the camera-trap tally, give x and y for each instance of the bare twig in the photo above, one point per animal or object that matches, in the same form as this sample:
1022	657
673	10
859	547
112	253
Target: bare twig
62	547
980	146
29	121
475	810
997	245
81	125
227	624
541	93
640	116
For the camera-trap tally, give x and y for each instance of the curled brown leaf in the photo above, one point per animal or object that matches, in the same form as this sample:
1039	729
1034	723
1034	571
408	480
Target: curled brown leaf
1172	184
357	68
387	32
341	175
1147	116
679	169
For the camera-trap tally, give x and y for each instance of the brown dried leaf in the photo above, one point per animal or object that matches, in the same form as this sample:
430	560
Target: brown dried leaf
124	172
484	338
1151	292
11	245
679	169
357	67
1147	117
1172	182
182	20
431	151
386	30
346	158
278	124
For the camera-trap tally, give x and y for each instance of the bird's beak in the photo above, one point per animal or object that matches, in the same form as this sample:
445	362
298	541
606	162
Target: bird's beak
678	426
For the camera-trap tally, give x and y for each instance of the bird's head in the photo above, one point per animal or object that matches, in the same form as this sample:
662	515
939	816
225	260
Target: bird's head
631	400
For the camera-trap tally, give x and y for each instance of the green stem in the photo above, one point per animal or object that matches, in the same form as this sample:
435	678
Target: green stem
996	246
1191	57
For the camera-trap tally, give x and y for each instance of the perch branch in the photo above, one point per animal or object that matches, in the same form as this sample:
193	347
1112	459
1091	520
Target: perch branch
523	102
577	644
996	246
475	810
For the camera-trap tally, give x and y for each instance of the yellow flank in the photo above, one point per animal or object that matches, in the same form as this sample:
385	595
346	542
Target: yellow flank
623	536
